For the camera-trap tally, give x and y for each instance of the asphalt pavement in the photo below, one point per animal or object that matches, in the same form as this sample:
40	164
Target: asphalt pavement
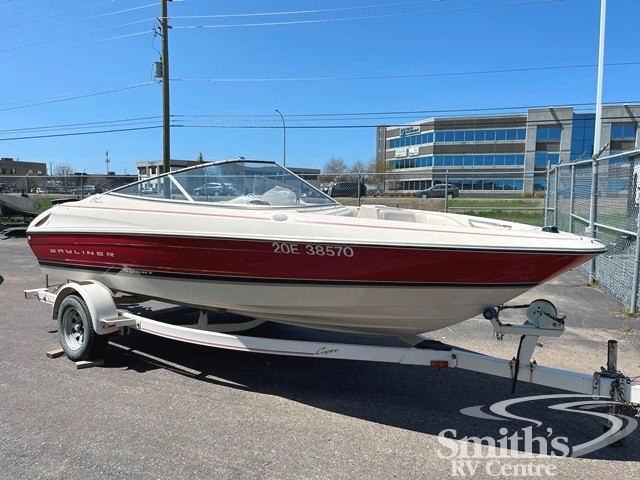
160	409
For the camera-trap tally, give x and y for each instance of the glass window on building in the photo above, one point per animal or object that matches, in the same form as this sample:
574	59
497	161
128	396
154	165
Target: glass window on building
623	131
582	136
548	134
543	158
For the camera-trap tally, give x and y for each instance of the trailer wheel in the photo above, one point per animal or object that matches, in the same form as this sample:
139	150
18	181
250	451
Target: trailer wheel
77	336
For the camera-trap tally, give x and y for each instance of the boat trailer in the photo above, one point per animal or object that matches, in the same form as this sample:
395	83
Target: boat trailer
88	312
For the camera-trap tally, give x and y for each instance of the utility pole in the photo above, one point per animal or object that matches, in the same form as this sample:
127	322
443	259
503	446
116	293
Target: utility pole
166	132
106	160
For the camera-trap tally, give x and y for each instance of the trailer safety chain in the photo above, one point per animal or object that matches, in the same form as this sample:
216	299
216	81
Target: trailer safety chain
616	393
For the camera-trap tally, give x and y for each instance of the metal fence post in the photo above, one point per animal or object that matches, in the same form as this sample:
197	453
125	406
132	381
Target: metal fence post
555	196
446	191
593	210
572	196
636	265
546	197
358	187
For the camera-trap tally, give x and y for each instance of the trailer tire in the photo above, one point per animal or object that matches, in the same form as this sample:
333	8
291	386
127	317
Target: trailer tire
75	329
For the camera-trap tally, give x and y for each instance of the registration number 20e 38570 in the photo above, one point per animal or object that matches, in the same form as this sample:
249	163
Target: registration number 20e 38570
315	250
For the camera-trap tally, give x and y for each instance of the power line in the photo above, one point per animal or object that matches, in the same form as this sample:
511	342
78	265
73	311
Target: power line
391	77
507	122
48	27
76	44
76	35
301	12
362	126
460	122
94	132
409	112
370	17
33	20
45	101
119	122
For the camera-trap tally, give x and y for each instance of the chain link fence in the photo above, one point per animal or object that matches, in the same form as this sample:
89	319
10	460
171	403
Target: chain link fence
40	192
600	199
492	194
79	185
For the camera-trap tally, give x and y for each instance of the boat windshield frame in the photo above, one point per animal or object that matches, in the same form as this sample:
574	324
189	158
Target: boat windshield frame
237	183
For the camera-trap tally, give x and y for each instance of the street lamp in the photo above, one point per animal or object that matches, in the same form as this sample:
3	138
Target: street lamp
284	139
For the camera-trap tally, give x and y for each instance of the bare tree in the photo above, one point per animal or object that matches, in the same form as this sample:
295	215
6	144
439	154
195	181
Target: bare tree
61	185
359	167
200	158
334	166
380	167
63	170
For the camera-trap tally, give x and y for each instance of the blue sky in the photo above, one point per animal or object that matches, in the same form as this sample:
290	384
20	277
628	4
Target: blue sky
344	66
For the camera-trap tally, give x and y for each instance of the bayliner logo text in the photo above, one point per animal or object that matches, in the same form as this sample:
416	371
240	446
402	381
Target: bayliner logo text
502	454
87	253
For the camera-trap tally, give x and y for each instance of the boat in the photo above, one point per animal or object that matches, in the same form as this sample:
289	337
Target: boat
18	206
274	247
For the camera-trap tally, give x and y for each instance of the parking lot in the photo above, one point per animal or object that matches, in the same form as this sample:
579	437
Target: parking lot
162	409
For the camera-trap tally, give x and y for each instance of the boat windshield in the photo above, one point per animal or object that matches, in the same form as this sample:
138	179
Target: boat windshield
232	183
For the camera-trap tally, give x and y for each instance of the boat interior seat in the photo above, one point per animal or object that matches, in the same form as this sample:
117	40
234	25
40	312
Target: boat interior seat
382	212
398	215
371	211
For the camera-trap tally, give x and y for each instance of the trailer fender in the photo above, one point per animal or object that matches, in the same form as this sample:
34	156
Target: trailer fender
99	300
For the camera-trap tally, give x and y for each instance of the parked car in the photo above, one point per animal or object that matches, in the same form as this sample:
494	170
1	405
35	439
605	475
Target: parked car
149	191
215	189
440	190
211	189
84	190
347	189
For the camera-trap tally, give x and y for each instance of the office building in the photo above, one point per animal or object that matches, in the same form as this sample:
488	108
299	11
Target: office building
501	152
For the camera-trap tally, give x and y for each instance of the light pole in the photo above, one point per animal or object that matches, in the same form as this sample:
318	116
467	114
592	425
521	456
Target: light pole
50	178
284	139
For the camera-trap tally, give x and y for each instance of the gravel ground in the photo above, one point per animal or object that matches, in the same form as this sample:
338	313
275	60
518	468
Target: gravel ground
160	409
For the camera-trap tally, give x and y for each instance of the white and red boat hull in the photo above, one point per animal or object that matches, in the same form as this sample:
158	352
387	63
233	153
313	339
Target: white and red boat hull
282	250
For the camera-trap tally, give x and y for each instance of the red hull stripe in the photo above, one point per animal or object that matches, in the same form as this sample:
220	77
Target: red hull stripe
278	281
231	258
